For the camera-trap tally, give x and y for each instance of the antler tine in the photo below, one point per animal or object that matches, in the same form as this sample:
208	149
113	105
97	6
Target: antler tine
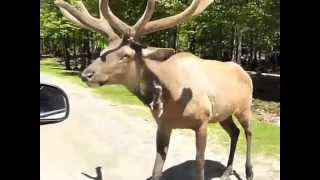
73	19
171	21
144	18
81	17
112	19
82	8
196	7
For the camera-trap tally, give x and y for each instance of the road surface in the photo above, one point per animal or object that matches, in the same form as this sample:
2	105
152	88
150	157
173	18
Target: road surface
101	141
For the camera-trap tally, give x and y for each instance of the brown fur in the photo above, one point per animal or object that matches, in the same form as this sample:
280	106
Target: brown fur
196	91
228	83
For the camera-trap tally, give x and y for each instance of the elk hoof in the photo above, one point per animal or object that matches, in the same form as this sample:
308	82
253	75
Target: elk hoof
249	173
226	174
225	178
250	176
156	177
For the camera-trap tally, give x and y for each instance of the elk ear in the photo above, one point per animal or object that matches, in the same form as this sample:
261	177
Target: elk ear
159	54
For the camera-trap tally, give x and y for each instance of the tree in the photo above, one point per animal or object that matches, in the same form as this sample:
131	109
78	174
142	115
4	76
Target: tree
239	30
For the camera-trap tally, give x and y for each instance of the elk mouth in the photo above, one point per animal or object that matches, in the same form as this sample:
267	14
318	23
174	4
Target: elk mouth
93	84
92	79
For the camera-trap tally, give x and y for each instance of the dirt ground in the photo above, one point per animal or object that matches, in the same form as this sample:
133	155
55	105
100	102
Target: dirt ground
99	134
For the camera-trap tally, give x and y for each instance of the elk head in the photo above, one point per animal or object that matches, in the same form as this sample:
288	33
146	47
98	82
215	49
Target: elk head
118	63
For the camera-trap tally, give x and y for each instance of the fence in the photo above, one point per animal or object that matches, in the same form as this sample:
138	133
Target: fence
266	86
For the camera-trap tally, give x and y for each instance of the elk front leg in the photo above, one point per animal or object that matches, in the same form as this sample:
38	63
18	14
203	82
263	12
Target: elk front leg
163	138
201	141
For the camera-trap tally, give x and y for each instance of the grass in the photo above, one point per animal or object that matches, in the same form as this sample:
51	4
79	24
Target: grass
266	137
265	140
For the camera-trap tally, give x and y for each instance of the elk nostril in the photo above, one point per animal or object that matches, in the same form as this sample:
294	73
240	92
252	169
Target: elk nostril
90	74
85	76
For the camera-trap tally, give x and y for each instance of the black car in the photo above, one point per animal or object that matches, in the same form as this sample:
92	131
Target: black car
54	104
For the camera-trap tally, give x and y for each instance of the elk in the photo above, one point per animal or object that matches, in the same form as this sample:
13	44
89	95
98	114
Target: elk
195	91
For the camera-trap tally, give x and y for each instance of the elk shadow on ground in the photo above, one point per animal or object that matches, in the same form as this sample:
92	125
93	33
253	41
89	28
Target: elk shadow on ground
98	176
186	171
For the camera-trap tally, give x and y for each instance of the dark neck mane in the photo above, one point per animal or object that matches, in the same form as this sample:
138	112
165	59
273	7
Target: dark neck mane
143	87
144	77
144	90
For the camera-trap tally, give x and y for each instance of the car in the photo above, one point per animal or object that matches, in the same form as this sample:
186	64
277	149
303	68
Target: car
54	104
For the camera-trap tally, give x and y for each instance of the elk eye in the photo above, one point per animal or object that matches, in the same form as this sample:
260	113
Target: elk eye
103	58
125	57
121	60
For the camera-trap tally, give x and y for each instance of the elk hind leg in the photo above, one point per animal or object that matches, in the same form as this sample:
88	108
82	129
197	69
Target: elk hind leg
233	131
244	119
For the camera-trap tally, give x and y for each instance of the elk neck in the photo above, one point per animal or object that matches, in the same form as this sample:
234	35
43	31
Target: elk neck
139	80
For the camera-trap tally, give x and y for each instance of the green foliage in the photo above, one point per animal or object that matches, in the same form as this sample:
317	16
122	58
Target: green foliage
217	26
52	24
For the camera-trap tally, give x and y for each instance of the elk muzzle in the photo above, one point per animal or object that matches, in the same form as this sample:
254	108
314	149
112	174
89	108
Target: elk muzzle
86	75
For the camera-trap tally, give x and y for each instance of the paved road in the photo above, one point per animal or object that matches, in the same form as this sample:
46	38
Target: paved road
99	134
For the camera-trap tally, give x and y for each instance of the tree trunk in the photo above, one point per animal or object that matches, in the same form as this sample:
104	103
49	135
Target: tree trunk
46	46
61	44
234	50
192	41
67	55
250	52
55	47
251	60
49	46
87	47
239	48
220	43
75	51
82	53
172	38
254	60
41	46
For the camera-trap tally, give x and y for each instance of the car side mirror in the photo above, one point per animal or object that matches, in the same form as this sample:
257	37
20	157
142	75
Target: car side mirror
54	104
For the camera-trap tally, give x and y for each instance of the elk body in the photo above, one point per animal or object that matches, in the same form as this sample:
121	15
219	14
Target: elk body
195	91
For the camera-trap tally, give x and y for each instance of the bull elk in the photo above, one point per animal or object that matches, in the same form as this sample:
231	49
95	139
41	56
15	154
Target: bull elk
195	91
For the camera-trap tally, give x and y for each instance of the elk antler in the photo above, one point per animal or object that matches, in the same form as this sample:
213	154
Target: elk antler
145	17
131	31
81	17
143	26
112	19
195	8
